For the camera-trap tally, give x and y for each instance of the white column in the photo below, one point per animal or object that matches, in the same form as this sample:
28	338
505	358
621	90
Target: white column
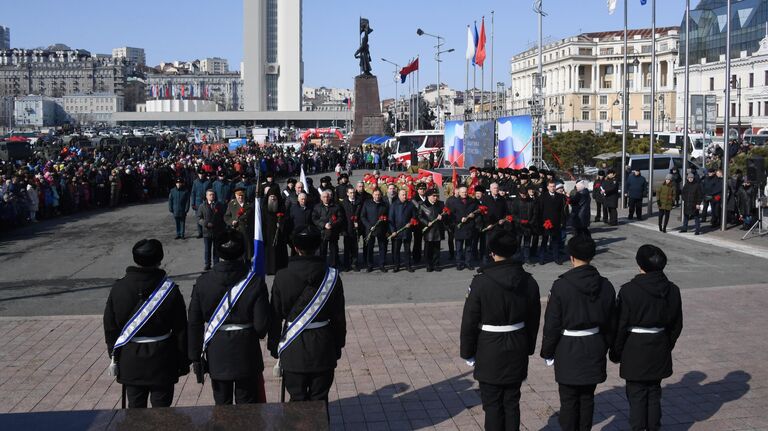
254	54
289	55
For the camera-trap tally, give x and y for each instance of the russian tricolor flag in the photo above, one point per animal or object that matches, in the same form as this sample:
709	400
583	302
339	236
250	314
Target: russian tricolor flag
259	264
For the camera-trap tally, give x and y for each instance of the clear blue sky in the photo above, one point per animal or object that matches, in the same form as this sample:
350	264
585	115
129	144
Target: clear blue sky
185	30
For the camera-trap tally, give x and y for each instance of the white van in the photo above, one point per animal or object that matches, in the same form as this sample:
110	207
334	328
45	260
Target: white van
662	163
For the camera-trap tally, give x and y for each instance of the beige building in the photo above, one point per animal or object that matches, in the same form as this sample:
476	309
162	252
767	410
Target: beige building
583	80
92	108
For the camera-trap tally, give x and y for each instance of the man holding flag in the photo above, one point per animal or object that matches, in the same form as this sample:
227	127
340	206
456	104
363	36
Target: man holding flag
309	328
228	315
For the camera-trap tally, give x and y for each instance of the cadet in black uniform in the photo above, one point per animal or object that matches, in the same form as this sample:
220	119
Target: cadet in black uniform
151	363
650	321
579	327
309	362
234	358
498	330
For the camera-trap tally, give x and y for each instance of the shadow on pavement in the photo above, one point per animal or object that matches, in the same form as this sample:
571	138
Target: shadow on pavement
683	404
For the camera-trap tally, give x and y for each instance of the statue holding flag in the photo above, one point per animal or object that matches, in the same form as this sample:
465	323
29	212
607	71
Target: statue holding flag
364	52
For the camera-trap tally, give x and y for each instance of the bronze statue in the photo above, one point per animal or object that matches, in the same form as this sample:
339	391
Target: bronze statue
364	53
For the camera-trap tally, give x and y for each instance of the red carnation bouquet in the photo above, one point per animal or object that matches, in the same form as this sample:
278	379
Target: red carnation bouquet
241	212
482	209
717	198
277	228
446	211
548	224
382	219
509	219
411	223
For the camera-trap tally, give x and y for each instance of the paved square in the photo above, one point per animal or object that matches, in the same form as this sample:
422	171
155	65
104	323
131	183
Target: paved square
401	370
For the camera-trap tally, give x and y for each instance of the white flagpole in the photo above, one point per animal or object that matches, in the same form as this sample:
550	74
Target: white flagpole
625	122
687	94
418	93
653	108
727	125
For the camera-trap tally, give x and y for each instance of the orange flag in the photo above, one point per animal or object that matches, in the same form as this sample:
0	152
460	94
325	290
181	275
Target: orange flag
480	54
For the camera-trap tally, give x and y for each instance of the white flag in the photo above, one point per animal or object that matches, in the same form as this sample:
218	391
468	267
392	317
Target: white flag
470	44
303	180
611	6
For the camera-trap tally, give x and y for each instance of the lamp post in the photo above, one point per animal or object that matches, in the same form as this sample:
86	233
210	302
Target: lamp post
438	52
397	69
661	111
736	84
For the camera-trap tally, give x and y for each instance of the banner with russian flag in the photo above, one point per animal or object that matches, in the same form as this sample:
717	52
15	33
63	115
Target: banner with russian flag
407	70
515	141
453	143
259	262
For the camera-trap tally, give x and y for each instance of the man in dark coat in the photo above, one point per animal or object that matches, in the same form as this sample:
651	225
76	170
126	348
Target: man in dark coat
239	217
580	209
341	188
233	356
309	362
746	198
497	211
151	363
329	218
597	196
223	188
431	216
199	186
636	190
552	210
401	215
498	331
525	212
579	327
275	234
210	215
178	205
352	208
463	212
374	216
418	200
692	198
611	193
299	214
650	320
711	186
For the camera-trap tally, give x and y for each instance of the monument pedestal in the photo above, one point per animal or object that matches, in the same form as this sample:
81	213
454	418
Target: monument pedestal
368	118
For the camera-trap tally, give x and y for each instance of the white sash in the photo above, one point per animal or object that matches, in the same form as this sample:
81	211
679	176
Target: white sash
225	308
309	313
146	311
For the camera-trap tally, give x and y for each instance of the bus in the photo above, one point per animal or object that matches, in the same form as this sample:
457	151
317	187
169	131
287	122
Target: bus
672	142
424	142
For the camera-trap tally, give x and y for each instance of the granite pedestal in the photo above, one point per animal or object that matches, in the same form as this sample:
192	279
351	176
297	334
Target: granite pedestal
368	118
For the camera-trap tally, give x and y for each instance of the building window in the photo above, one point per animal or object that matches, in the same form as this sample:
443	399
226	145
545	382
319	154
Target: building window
733	109
749	108
646	99
765	109
603	115
766	77
712	82
734	82
585	115
603	100
751	80
646	115
585	100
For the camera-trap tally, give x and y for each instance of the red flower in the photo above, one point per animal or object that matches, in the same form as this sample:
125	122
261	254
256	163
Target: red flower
382	218
483	209
333	218
509	218
353	218
548	224
414	222
280	215
241	212
717	198
446	211
523	221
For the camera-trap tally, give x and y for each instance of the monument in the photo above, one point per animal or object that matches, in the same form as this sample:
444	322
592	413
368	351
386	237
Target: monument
368	118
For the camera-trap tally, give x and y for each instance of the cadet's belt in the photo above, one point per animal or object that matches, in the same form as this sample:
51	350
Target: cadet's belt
235	327
315	325
142	340
641	330
581	332
503	328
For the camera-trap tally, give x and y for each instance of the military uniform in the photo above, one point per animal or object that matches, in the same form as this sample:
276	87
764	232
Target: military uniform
464	234
308	362
371	215
400	216
498	330
234	355
579	327
147	368
428	213
650	320
352	212
332	214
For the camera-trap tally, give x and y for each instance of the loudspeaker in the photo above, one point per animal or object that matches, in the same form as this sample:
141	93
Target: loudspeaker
756	170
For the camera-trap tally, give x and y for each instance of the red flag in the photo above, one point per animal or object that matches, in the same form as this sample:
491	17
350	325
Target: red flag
480	54
454	178
412	67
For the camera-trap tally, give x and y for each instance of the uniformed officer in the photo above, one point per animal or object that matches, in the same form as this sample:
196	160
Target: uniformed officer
154	357
579	327
233	356
307	363
650	321
498	330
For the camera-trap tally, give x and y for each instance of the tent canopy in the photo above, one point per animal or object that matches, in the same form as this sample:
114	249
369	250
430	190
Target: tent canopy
376	140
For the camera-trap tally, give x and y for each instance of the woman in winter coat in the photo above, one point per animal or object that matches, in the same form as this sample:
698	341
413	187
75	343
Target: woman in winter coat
667	195
34	202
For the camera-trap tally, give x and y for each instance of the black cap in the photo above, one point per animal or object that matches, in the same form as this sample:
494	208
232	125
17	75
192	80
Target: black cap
432	192
325	179
231	246
344	175
148	252
421	186
651	258
291	181
306	238
480	189
180	180
582	247
502	243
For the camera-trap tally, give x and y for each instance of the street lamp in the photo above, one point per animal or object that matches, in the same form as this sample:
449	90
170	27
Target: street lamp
397	69
661	111
736	84
440	43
